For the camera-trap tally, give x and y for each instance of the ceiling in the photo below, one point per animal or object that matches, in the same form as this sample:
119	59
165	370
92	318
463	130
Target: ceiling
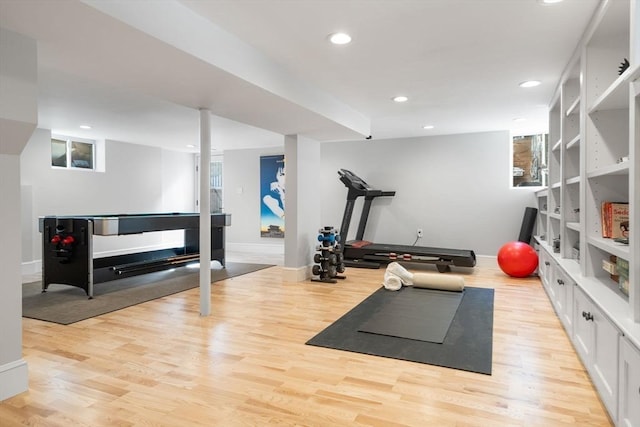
139	71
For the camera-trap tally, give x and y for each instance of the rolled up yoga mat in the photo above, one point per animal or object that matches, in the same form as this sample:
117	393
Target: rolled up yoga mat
438	281
396	276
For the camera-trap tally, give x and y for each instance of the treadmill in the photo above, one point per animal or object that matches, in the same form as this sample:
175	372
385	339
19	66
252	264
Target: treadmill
364	254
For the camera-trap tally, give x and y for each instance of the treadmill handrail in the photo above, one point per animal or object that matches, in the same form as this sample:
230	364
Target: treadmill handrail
357	187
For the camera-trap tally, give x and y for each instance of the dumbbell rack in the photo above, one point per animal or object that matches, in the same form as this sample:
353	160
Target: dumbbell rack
329	258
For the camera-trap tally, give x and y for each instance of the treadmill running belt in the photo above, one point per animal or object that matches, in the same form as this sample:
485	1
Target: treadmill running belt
462	257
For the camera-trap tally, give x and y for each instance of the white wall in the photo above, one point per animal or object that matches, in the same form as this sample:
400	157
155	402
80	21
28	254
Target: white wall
18	118
13	369
456	188
137	179
303	215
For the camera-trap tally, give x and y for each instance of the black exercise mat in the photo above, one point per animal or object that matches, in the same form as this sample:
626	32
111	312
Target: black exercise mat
67	304
468	345
414	313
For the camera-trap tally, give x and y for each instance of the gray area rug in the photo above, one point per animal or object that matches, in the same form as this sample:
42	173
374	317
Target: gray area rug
467	346
413	313
67	304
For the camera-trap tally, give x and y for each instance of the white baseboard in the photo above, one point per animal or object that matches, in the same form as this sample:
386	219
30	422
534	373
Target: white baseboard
299	274
262	248
486	261
35	267
14	379
31	267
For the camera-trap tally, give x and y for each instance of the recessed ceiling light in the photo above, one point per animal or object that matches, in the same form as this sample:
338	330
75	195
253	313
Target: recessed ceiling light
549	1
191	146
428	127
400	98
85	127
530	83
340	38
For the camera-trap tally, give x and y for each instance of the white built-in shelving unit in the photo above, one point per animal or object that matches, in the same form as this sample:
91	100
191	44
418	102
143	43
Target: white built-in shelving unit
594	132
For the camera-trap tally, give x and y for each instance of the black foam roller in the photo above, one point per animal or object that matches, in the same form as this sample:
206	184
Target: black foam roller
528	222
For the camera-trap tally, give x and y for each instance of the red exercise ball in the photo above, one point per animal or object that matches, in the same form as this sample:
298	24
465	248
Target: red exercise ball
517	259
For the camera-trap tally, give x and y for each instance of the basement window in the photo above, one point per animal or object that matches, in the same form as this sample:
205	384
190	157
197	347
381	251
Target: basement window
72	153
216	184
529	160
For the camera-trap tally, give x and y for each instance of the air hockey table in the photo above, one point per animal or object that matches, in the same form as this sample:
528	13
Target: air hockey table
67	246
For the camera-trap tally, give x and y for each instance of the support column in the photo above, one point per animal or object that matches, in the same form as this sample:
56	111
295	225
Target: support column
302	215
205	212
18	118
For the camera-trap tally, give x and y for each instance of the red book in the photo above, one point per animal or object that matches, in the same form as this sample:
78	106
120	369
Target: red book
619	220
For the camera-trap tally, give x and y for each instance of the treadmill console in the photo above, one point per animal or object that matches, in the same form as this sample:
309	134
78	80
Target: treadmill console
351	180
358	187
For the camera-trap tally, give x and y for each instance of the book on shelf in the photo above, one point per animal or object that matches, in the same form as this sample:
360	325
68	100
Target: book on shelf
611	267
615	220
603	218
622	268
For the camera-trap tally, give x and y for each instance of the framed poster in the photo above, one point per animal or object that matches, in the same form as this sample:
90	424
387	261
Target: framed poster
272	180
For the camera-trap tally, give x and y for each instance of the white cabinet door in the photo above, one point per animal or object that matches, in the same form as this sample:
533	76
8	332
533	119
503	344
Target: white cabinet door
555	290
545	267
559	283
552	286
596	340
604	369
629	395
565	299
582	330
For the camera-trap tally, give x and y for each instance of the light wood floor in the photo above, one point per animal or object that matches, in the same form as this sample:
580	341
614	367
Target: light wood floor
161	364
